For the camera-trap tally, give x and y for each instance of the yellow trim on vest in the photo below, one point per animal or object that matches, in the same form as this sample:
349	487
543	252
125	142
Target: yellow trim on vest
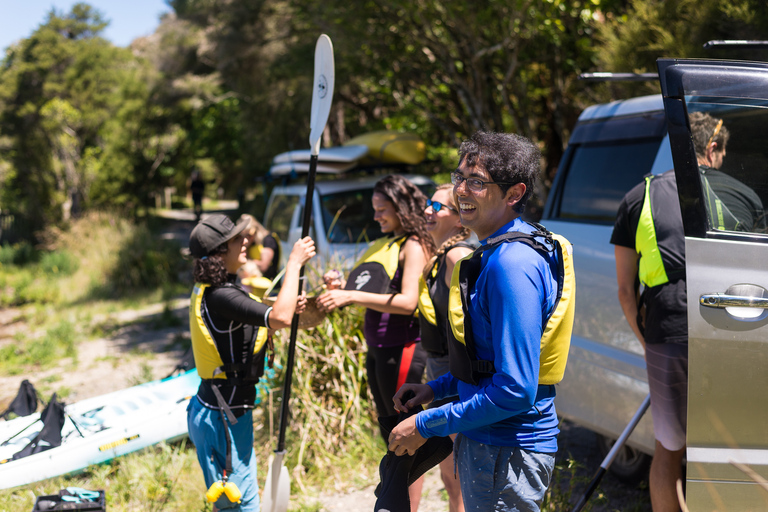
207	358
455	308
426	307
254	252
651	267
556	339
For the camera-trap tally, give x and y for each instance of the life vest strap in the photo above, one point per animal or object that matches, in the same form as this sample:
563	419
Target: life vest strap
486	368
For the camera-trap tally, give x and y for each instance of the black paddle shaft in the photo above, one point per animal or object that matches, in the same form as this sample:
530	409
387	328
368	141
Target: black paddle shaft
295	322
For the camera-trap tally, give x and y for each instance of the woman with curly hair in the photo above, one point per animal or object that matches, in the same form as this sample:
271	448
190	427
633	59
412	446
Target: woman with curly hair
391	329
230	337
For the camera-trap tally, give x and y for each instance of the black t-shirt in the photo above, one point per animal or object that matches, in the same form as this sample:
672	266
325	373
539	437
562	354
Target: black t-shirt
741	200
666	318
270	242
233	317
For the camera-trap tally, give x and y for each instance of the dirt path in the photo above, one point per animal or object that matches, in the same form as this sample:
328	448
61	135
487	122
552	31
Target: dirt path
133	354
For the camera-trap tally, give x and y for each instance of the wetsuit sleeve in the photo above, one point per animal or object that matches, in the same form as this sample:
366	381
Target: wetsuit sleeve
516	292
235	305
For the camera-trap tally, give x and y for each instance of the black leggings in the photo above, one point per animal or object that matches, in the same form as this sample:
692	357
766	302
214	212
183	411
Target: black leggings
388	368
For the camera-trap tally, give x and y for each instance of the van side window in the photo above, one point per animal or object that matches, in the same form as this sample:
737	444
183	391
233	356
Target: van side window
606	157
600	174
278	218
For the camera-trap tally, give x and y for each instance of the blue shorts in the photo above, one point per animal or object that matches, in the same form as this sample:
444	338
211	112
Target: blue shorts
501	478
206	431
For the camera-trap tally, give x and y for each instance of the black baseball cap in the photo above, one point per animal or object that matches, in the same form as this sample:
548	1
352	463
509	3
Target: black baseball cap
213	231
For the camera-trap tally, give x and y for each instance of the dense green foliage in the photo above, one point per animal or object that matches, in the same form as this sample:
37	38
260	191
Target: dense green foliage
223	85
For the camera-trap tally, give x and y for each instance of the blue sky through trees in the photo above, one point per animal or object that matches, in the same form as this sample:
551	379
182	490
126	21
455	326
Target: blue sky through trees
128	19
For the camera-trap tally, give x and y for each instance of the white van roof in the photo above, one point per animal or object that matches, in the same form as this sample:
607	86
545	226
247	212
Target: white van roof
633	106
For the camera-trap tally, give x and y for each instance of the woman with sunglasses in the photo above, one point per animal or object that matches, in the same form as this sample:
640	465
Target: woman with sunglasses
444	225
391	330
229	330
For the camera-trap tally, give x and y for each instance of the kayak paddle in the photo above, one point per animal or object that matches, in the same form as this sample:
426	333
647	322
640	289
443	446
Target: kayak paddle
278	485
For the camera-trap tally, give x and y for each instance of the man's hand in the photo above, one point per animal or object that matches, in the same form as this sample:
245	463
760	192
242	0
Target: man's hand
405	437
423	395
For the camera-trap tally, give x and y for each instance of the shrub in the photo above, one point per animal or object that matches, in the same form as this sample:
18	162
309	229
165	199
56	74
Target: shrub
59	263
18	254
145	261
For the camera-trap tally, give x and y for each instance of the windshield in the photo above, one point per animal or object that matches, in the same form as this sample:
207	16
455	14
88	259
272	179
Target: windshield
348	216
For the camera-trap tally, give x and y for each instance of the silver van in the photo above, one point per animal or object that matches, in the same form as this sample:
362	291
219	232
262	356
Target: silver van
611	148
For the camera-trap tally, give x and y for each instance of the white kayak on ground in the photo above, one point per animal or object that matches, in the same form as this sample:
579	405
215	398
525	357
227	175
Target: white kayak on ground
99	429
339	154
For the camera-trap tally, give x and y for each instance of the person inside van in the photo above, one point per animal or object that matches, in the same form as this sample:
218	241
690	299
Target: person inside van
386	282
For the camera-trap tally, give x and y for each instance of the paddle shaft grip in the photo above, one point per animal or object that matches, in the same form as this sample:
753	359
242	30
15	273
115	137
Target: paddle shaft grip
308	200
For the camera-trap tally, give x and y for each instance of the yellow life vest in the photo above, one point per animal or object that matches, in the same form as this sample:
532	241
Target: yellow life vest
556	336
426	307
254	251
207	359
375	270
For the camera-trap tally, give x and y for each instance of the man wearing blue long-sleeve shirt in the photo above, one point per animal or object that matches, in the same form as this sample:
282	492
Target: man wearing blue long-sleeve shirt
505	414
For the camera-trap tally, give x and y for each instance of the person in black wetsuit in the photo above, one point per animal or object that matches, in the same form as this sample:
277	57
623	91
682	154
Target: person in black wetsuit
229	331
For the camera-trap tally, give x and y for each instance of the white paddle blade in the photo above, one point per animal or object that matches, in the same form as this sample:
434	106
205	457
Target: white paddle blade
322	93
277	488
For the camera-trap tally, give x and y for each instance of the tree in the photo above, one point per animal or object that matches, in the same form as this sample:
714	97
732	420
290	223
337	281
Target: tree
57	90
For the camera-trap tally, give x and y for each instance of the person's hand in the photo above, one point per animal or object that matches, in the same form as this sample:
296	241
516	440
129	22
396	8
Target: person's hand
423	395
405	438
332	299
333	280
301	303
303	250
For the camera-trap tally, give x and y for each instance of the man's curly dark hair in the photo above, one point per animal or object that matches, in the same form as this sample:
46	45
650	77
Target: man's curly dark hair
507	157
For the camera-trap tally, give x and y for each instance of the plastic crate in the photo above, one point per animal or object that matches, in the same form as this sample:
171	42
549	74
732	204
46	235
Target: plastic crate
55	502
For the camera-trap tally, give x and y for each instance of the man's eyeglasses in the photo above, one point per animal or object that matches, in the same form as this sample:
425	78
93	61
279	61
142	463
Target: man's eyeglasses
437	206
717	130
474	184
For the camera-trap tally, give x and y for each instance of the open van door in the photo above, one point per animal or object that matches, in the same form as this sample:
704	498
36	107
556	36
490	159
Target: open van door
726	248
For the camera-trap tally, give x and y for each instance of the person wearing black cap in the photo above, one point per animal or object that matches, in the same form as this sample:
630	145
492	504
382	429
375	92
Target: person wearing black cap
229	330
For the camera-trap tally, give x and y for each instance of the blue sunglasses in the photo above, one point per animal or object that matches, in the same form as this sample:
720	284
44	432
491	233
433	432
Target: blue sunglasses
437	206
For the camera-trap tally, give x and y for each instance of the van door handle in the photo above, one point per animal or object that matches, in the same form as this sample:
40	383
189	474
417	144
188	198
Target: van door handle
723	300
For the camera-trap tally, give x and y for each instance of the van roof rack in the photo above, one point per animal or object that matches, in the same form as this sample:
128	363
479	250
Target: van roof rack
601	76
736	43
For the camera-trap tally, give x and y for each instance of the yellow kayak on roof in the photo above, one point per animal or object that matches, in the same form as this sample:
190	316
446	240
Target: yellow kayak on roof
391	147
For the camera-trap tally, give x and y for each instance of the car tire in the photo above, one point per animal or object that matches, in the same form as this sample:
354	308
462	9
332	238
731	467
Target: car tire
630	465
